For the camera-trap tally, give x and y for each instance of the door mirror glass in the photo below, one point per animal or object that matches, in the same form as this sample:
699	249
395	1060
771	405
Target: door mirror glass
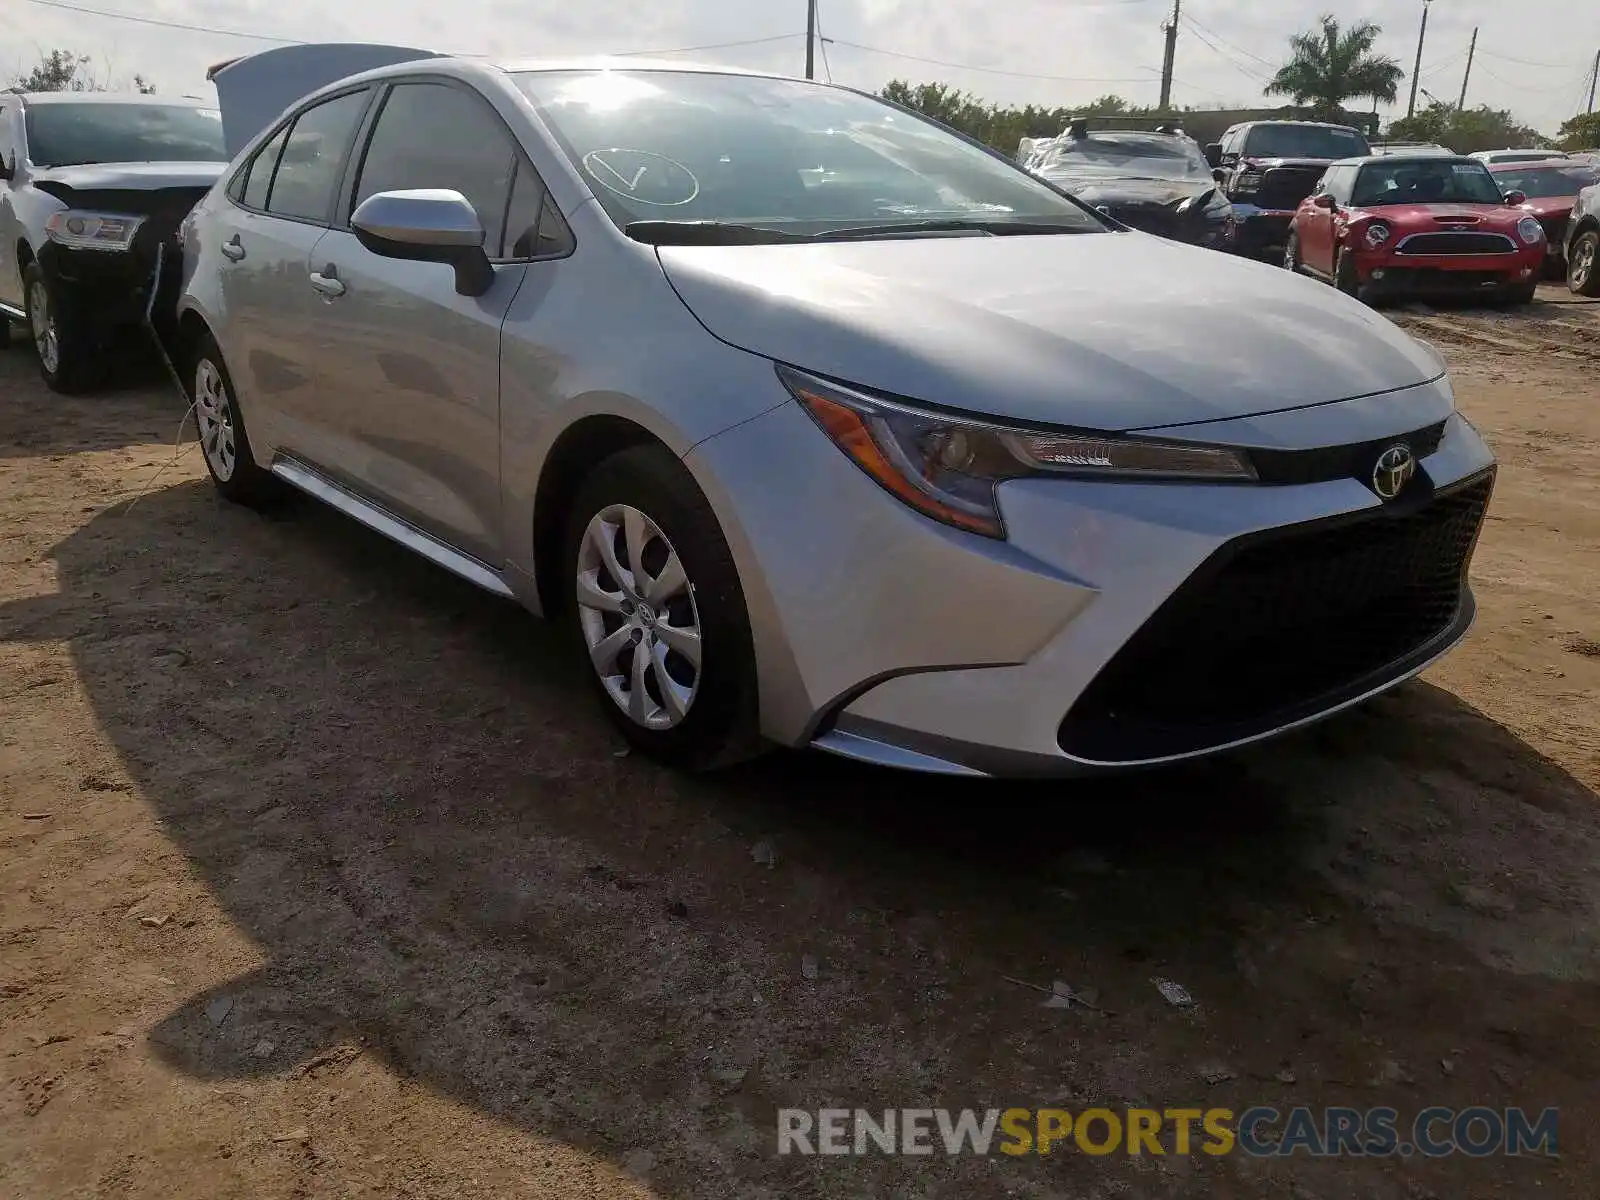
6	169
1214	154
427	225
1514	198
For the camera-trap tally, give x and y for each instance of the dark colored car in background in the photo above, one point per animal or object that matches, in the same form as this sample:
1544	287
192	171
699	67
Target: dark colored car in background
1155	180
1551	188
1268	168
1582	252
92	190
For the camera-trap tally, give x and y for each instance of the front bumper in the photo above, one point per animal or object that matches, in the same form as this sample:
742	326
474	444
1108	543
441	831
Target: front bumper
1448	274
1257	232
110	289
893	639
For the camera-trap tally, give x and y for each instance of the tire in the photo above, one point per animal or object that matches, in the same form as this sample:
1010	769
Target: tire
1346	279
62	336
1518	295
224	444
1291	253
1583	264
642	502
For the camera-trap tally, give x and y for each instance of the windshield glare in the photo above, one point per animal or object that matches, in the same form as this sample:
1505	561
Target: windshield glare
63	134
1548	181
803	157
1304	141
1129	156
1427	182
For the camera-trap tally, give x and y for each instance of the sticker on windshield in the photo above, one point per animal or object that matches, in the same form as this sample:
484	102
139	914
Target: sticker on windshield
214	114
642	175
1465	168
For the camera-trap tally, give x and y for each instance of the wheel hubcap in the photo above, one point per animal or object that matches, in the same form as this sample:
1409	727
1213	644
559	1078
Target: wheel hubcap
1585	263
213	414
637	611
43	322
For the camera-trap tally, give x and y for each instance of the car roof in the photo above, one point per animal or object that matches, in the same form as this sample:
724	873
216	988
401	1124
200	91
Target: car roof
1313	124
614	63
1391	160
1532	162
46	98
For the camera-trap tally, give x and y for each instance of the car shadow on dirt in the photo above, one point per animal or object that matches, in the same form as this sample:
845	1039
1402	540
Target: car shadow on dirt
397	787
35	422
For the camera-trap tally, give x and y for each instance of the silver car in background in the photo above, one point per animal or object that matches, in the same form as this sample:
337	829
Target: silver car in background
817	424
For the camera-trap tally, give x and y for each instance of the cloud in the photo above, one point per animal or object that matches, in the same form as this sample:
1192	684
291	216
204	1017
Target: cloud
1533	58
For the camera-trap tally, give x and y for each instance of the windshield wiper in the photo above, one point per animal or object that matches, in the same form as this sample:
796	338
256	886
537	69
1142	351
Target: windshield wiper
950	225
708	233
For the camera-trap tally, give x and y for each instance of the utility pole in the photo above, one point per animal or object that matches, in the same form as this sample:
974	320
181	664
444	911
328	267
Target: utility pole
1416	71
811	39
1171	53
1461	104
1594	79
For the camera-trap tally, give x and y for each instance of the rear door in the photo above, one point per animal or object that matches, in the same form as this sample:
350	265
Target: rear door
1316	224
282	201
411	392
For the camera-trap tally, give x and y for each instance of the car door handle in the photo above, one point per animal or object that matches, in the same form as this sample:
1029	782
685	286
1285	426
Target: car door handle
232	250
329	284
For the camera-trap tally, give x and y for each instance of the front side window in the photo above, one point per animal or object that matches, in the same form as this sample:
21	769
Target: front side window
432	135
1425	181
1304	141
776	153
313	158
67	133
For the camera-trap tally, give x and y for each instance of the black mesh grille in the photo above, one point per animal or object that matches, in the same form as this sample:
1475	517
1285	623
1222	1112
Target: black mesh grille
1285	187
1441	280
1555	230
1276	627
1456	243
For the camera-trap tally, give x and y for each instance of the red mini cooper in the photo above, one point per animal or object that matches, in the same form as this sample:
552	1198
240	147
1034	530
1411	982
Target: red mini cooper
1401	226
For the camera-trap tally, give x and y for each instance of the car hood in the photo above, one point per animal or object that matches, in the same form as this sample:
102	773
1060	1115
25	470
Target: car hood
1268	163
129	177
1110	331
1550	206
1431	216
1109	189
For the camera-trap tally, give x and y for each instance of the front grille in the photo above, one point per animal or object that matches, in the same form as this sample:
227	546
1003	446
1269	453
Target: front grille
1456	243
1279	626
1352	461
1285	187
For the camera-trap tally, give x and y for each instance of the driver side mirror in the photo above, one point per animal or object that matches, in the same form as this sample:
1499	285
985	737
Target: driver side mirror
7	170
427	225
1515	198
1214	153
1323	200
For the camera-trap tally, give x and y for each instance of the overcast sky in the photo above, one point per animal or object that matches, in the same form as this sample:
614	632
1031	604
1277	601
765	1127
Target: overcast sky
1534	56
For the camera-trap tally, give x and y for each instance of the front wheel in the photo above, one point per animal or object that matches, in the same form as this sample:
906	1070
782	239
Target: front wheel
223	441
1291	253
1346	279
655	606
62	335
1583	264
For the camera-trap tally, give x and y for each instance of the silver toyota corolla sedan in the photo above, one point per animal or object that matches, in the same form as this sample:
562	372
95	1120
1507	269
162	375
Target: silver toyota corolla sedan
817	424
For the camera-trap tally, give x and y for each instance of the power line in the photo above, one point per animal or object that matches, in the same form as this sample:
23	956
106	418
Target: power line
1248	72
941	62
1522	87
1272	66
1526	62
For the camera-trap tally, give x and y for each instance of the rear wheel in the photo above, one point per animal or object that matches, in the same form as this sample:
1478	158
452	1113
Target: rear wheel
1583	264
1345	277
654	605
223	440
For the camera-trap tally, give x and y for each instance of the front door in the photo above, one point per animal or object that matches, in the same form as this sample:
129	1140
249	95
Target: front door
410	387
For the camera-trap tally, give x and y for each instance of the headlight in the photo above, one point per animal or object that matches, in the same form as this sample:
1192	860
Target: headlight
1247	182
948	467
1530	231
92	230
1377	234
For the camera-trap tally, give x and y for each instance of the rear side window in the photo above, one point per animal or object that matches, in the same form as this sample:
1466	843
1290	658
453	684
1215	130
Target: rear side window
7	141
258	175
431	135
313	158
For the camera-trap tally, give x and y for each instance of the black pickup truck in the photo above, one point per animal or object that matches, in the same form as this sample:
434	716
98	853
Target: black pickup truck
1268	168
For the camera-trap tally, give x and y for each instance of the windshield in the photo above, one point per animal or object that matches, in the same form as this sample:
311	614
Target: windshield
1128	156
66	134
1430	181
1304	141
1548	181
776	153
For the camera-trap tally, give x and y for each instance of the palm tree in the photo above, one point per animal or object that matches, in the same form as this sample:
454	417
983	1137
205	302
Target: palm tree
1330	65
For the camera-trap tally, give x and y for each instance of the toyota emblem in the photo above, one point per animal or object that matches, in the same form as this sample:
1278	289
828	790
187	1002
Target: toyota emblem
1393	470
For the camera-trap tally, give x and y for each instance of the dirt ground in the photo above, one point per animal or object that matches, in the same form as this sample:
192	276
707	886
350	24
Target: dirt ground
319	876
